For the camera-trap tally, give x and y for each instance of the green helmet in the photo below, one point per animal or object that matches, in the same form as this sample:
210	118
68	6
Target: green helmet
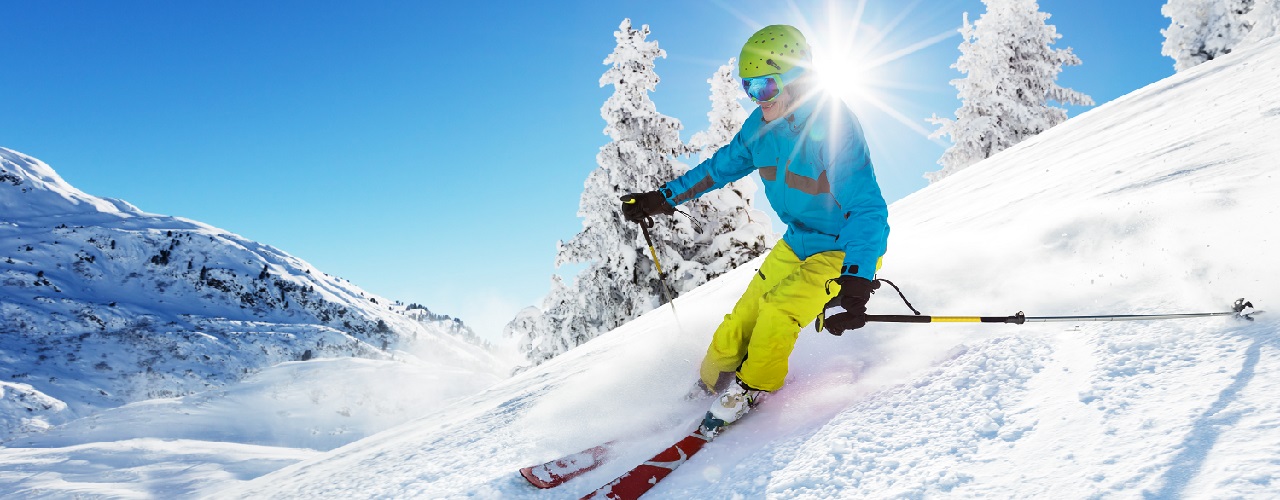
773	49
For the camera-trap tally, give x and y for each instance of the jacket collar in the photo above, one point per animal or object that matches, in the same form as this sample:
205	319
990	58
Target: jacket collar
806	109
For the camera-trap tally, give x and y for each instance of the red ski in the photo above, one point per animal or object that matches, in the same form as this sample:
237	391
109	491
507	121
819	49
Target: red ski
645	476
560	470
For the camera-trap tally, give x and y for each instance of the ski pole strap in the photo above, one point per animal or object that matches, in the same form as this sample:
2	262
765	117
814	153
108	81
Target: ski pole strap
697	227
876	285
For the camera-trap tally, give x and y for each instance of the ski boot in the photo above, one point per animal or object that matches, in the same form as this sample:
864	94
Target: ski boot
733	403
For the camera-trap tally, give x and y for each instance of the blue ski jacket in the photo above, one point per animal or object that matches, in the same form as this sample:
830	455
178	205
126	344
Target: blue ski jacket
817	174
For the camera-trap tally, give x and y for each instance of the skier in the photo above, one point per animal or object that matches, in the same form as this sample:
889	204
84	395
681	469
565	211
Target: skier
813	159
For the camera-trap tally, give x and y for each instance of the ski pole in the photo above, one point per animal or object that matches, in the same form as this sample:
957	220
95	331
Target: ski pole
644	228
1238	310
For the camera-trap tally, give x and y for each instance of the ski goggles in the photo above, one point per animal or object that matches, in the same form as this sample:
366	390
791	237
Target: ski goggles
768	87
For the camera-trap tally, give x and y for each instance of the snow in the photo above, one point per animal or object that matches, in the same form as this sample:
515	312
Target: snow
149	355
277	417
1161	201
138	468
1158	202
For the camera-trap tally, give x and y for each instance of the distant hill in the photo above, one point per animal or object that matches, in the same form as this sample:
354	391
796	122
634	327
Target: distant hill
102	304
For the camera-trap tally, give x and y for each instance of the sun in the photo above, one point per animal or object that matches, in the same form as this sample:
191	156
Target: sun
842	73
843	51
857	56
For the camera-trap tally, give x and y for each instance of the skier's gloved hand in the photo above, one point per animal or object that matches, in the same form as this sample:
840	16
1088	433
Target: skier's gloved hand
636	207
848	309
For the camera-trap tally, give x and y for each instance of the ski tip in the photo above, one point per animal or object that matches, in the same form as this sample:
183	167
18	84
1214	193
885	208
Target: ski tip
528	475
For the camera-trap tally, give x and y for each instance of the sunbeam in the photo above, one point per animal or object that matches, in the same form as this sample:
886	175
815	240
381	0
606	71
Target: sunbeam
745	19
911	49
853	52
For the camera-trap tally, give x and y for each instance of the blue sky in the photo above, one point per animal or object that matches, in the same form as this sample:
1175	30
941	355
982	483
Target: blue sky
434	152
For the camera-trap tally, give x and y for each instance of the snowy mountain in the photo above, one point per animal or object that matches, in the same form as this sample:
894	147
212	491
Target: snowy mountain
1162	201
102	304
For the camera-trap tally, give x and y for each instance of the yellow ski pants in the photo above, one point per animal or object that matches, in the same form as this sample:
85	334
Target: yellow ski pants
786	295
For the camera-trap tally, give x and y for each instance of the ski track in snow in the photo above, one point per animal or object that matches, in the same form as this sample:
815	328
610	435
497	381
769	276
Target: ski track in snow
1161	201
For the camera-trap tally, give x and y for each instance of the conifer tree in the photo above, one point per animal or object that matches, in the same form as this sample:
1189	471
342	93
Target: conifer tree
726	115
733	232
1202	30
1011	74
1264	21
620	281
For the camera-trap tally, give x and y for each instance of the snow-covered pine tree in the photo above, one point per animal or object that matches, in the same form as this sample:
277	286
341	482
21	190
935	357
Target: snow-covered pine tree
1011	75
620	281
1264	21
726	115
526	329
546	331
1201	30
733	232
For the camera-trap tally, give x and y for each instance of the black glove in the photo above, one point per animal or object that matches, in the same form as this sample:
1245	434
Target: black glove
636	207
848	309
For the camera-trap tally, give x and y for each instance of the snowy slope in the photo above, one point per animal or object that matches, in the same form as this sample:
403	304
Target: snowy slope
1165	200
102	304
175	447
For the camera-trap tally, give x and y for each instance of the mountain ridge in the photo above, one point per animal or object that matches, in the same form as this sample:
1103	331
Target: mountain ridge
102	304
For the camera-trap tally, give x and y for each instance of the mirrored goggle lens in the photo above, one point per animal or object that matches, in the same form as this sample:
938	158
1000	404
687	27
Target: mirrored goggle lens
763	88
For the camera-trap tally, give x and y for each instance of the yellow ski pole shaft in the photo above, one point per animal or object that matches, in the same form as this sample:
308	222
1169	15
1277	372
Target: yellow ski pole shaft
653	252
662	278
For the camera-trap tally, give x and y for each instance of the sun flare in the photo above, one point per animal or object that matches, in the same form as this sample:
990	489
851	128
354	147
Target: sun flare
841	73
858	57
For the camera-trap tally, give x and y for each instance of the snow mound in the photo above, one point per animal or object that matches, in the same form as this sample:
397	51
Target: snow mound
25	409
38	191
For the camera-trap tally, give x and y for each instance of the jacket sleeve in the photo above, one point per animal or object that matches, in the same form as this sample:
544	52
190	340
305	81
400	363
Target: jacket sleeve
865	230
729	163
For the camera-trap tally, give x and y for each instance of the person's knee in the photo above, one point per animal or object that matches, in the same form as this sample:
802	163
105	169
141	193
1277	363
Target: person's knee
782	317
